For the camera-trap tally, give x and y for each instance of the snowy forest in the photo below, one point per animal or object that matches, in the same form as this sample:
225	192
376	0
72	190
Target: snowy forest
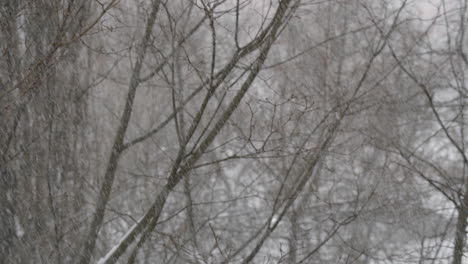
233	131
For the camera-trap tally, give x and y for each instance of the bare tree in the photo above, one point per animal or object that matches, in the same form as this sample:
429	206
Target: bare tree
231	131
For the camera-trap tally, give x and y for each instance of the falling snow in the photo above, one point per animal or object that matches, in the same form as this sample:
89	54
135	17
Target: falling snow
227	131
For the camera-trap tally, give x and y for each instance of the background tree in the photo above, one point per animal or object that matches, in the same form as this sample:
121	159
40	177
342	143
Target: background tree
277	131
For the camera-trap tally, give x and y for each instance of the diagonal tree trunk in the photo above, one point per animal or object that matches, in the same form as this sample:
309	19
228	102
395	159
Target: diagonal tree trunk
148	222
117	146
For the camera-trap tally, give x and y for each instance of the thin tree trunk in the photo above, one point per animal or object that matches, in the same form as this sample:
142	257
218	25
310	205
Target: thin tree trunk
117	147
150	219
460	233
